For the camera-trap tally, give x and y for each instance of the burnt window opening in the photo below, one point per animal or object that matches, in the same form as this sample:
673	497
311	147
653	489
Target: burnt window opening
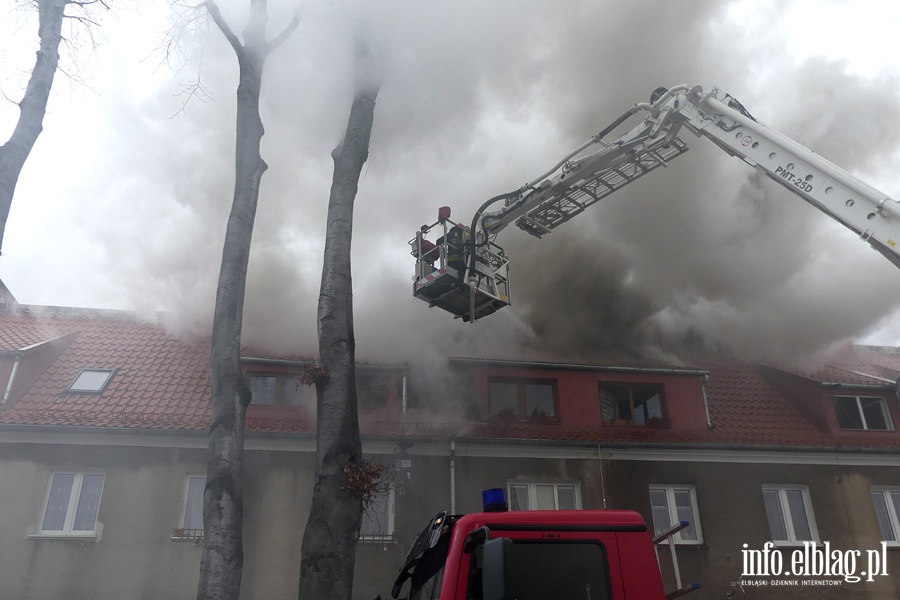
373	390
862	412
270	389
523	400
641	404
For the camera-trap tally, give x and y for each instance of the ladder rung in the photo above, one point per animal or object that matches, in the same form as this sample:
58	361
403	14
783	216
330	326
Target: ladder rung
558	209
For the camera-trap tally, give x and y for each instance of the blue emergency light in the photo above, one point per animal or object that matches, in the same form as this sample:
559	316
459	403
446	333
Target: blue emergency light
494	500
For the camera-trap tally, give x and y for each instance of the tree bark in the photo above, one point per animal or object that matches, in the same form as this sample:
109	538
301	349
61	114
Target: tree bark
33	106
329	541
222	559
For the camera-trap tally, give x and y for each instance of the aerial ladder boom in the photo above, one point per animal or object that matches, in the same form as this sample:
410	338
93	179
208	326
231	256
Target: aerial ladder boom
599	168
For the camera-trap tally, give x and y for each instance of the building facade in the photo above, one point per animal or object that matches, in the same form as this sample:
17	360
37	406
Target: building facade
103	436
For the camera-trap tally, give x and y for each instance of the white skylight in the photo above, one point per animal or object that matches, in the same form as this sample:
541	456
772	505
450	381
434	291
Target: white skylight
91	380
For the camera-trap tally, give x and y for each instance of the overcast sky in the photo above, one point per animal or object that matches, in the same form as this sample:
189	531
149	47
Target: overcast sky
123	202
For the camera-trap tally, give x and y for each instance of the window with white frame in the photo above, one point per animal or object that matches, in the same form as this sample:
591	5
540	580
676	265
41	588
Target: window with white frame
887	509
790	514
862	412
73	502
378	518
544	496
192	519
672	504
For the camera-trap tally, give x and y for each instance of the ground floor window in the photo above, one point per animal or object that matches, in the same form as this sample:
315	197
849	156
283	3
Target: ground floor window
790	515
192	519
378	518
544	496
887	509
672	504
73	503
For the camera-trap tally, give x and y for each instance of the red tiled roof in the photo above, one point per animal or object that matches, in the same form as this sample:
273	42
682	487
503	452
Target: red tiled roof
162	383
746	409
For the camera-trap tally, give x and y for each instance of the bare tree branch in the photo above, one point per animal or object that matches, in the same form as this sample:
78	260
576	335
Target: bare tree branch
33	105
83	4
286	33
220	22
192	21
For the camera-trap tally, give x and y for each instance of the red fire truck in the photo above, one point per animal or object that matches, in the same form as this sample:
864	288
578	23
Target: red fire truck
536	555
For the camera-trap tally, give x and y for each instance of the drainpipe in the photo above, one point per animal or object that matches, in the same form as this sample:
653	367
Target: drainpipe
602	478
12	378
452	477
404	405
709	424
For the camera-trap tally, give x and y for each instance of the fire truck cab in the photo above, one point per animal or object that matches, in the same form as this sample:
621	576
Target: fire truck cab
534	555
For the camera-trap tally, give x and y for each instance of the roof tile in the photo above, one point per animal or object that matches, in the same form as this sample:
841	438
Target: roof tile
162	382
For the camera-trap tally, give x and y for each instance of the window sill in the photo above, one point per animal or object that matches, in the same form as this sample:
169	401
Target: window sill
81	536
870	430
799	545
187	535
378	539
496	420
661	424
72	537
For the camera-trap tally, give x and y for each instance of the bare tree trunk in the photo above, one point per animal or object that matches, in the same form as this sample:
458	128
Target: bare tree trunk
223	555
329	541
33	105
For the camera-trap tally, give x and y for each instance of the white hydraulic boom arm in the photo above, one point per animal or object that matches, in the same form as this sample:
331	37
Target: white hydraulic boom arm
598	168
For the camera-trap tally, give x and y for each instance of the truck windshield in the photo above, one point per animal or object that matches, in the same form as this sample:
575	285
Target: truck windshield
559	571
429	589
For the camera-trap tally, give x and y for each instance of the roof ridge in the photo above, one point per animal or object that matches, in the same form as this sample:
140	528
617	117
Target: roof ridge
38	310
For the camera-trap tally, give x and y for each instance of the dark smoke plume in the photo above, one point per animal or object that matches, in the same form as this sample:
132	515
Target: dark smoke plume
479	97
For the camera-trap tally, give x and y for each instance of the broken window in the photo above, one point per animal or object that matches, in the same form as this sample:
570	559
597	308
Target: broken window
862	412
633	403
281	390
373	389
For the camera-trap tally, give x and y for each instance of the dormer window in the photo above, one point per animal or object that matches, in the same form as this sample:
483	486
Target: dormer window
373	389
862	412
280	390
91	381
633	404
523	399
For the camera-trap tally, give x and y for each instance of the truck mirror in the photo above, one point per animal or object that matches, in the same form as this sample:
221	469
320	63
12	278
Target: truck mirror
495	574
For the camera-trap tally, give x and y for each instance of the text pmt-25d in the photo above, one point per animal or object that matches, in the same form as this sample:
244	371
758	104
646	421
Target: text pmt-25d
462	270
